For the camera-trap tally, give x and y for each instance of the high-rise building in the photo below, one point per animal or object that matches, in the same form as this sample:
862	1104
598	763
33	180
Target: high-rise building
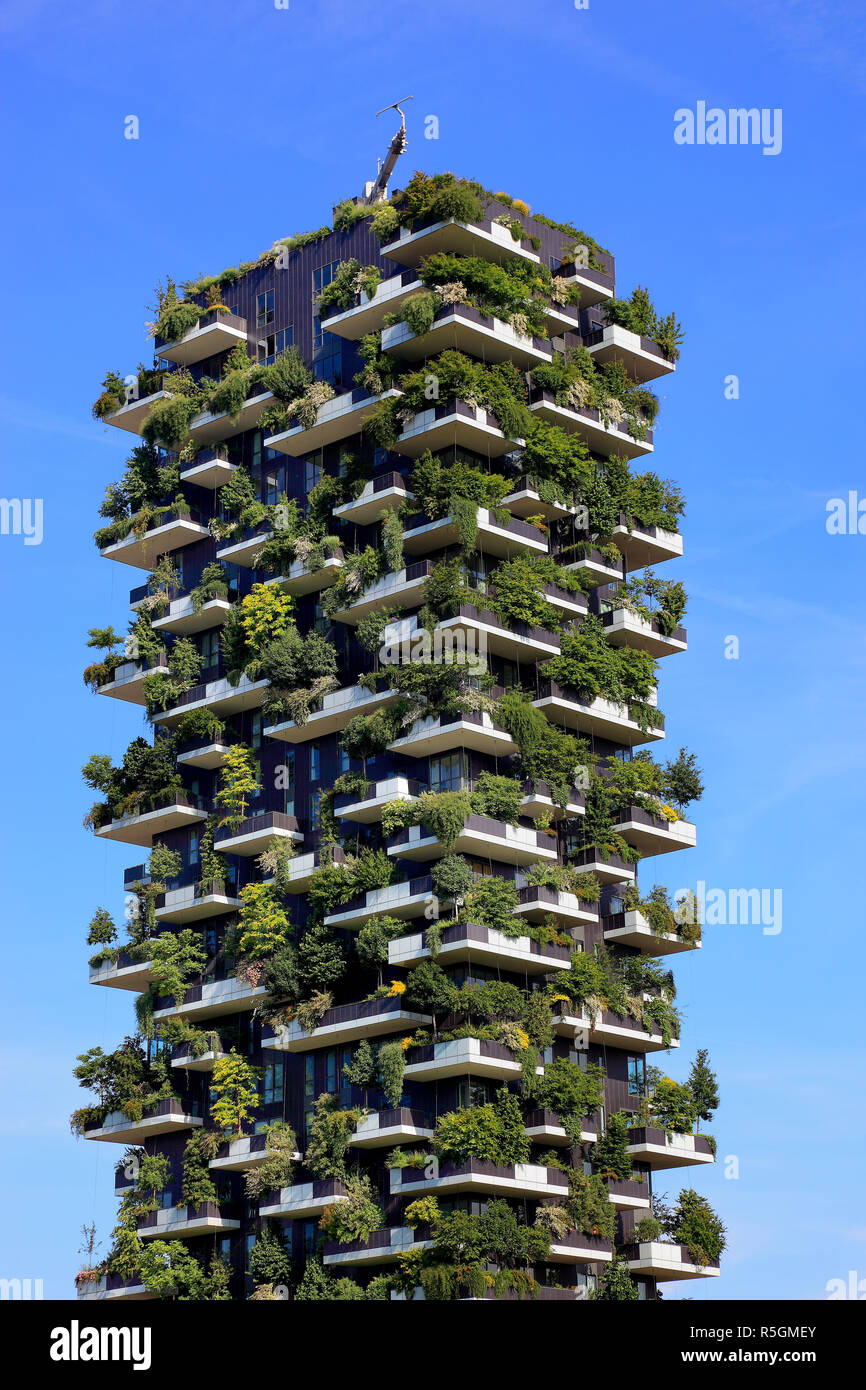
394	940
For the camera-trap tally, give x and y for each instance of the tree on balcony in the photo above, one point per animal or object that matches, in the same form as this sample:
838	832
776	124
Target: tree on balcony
239	781
235	1088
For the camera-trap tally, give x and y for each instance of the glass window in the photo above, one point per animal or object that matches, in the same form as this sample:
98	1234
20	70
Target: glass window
314	762
264	308
345	761
270	348
315	798
289	782
636	1075
311	1231
193	847
272	1083
331	1070
256	731
446	773
312	470
272	489
309	1076
210	649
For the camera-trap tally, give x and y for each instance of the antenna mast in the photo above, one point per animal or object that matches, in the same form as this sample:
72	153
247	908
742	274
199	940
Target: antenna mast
377	191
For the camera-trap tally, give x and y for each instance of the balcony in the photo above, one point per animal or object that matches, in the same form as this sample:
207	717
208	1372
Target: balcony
661	1149
302	870
128	680
176	810
207	755
516	641
485	238
195	901
601	438
633	929
538	801
184	618
481	836
454	424
662	1261
654	834
300	579
629	1195
610	1030
469	941
369	314
646	545
404	588
347	1023
623	628
244	552
113	1287
575	1248
366	806
383	1128
597	716
386	493
537	903
382	1247
546	1127
339	418
336	710
642	357
239	1155
463	1057
406	900
595	566
595	285
213	333
504	541
125	973
132	416
211	1000
439	733
210	469
525	500
612	869
220	696
477	1175
174	1223
143	551
184	1059
467	330
303	1199
255	833
167	1117
210	428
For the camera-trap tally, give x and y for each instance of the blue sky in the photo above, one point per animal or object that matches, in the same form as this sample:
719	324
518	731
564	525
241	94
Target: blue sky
253	121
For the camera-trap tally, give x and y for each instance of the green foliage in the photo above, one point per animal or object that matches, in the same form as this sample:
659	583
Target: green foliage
610	1153
263	922
348	281
239	781
198	1185
235	1088
392	1069
452	877
356	1218
703	1085
696	1225
615	1284
638	314
491	902
269	1259
331	1130
492	1132
177	957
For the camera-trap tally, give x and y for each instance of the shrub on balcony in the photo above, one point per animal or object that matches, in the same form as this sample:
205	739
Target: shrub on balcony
277	1169
200	726
269	1260
263	923
169	1270
440	197
452	877
638	313
491	902
695	1224
169	419
175	316
588	1205
615	1284
198	1185
102	932
238	783
493	1132
371	943
235	1092
547	753
563	878
184	668
111	398
514	293
356	1218
177	957
349	280
572	1092
147	774
330	1134
436	483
